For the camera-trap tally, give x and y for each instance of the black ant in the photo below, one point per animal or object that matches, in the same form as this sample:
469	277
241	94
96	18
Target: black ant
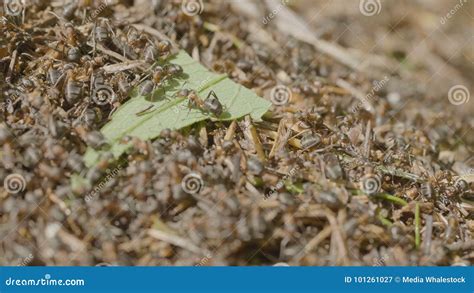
210	104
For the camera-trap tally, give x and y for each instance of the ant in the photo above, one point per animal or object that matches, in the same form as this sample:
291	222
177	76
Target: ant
210	104
159	76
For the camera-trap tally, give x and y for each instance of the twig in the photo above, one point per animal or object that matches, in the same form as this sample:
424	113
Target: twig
281	139
314	242
274	135
428	234
318	211
461	245
11	67
255	139
231	130
398	173
123	66
153	32
109	52
367	140
214	28
337	234
175	240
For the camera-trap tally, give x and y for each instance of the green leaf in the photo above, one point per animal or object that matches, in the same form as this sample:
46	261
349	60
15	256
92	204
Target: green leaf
171	112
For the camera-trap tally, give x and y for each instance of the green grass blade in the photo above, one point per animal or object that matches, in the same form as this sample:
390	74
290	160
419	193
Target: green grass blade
417	226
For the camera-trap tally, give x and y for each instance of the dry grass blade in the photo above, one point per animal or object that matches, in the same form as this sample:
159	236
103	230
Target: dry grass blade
176	240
